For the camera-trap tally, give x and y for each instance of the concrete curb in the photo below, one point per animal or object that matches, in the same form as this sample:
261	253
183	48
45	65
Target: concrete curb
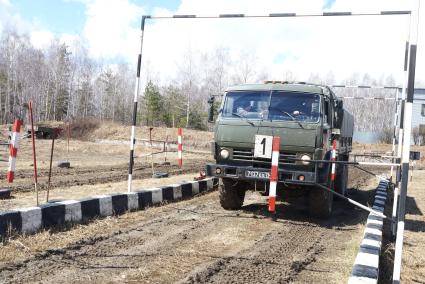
366	264
30	220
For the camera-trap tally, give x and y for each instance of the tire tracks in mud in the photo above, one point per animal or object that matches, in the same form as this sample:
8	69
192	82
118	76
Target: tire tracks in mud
273	259
195	241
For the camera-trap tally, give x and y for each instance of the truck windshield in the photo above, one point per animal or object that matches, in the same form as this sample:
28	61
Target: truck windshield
274	105
248	104
294	106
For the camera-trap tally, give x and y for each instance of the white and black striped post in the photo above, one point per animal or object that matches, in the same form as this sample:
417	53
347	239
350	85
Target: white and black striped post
394	131
400	135
136	96
406	143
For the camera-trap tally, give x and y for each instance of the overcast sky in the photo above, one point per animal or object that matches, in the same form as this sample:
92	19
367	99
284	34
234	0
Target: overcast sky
343	45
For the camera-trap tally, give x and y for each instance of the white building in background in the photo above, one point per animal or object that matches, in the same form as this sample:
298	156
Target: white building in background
418	114
418	110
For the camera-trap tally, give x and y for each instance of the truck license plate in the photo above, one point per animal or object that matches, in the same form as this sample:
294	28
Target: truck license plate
257	174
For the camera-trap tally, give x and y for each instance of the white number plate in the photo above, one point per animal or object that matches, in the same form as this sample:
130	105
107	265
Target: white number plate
257	174
263	146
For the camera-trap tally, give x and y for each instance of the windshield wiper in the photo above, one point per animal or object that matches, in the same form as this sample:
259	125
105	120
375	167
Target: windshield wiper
289	115
243	117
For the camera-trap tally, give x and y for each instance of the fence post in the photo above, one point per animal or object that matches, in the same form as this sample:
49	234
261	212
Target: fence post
179	147
13	149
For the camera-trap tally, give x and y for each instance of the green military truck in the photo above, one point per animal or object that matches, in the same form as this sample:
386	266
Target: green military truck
307	117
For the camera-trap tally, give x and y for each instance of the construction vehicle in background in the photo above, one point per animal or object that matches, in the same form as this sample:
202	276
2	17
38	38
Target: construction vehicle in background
306	117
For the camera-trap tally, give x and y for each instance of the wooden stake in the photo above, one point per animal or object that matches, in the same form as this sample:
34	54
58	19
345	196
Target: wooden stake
33	151
50	168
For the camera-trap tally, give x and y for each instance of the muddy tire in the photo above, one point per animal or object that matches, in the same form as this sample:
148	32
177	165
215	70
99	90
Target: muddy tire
320	201
342	177
341	180
231	194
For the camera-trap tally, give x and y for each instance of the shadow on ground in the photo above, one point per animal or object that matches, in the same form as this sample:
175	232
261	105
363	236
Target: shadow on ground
343	213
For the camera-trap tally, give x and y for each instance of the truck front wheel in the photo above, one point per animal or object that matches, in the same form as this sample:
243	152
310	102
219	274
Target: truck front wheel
231	194
320	201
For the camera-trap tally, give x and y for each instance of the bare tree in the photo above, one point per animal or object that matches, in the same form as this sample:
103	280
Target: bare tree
244	69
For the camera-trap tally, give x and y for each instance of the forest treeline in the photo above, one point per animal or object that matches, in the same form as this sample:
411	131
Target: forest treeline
65	85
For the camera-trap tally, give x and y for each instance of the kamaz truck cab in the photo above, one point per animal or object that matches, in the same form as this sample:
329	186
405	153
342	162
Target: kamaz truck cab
307	117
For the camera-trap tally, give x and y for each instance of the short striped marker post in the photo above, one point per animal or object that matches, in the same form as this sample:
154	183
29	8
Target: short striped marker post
179	147
333	158
274	174
13	150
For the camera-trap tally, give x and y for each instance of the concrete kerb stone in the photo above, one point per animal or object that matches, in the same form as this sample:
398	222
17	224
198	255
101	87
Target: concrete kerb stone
105	205
29	220
177	191
366	264
72	211
10	221
133	201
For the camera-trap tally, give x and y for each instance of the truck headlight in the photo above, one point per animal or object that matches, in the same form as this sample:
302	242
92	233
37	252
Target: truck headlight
224	154
305	159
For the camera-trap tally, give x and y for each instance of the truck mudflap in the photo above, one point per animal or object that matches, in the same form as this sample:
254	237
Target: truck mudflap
259	174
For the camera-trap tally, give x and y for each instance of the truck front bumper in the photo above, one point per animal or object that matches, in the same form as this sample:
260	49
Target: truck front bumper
260	174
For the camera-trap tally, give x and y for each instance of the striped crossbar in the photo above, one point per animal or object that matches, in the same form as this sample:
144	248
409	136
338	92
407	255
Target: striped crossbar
282	15
13	150
365	87
274	174
179	147
369	98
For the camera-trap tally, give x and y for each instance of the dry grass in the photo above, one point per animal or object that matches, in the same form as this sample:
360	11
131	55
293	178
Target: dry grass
413	263
18	248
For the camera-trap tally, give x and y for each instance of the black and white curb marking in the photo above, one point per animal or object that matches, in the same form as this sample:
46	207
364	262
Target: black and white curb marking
366	265
29	220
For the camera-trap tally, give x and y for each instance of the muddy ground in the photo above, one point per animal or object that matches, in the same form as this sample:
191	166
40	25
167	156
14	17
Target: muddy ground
196	241
413	259
193	241
91	163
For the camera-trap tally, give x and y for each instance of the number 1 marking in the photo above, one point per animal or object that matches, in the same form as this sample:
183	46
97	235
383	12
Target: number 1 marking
264	145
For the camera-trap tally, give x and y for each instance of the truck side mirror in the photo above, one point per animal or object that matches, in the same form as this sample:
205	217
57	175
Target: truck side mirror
211	109
339	106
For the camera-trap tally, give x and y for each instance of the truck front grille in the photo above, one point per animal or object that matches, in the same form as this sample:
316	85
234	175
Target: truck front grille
240	154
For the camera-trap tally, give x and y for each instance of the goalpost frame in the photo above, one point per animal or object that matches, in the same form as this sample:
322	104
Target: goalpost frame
405	117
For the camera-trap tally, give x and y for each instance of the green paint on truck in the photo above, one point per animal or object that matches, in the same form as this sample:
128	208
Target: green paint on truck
307	117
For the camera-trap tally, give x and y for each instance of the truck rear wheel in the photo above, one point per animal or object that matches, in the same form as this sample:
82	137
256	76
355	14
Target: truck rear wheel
341	178
231	194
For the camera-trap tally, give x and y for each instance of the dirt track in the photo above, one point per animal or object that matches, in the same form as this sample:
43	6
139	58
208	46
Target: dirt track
195	241
91	163
93	175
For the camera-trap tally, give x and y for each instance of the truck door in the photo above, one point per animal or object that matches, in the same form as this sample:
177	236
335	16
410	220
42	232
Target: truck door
327	124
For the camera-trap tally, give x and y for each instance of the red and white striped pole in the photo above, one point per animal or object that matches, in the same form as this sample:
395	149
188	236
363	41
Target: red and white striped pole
274	176
333	158
13	150
179	146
